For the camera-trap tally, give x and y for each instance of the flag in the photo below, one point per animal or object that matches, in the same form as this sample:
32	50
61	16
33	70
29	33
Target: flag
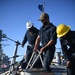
40	8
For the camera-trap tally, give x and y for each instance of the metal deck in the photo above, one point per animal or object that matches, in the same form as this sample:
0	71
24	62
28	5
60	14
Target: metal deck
58	70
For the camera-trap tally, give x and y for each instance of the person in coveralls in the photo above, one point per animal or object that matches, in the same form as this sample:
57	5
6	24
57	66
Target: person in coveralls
48	38
67	40
30	37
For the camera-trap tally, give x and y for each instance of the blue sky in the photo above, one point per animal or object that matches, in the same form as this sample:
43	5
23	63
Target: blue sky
15	13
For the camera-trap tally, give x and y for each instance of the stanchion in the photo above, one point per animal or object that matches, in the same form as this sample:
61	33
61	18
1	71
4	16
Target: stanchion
12	67
38	56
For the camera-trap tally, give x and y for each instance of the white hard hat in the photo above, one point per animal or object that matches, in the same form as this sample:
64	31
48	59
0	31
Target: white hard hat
29	24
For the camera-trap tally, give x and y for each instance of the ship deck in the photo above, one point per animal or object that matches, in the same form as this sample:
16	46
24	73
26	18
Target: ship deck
56	70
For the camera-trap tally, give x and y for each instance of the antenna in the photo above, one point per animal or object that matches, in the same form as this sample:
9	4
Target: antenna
43	7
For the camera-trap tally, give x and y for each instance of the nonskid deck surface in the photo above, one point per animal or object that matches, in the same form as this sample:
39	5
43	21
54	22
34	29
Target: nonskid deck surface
58	70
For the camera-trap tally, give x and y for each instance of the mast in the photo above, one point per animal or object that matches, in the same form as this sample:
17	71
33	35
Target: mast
43	9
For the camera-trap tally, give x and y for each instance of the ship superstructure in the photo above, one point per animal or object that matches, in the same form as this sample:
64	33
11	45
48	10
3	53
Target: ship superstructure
4	59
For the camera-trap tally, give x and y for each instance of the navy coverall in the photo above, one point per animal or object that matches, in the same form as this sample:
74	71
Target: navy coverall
68	49
31	38
48	33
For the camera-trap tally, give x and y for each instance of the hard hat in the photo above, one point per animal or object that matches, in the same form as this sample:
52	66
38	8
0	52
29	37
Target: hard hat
62	30
29	24
43	16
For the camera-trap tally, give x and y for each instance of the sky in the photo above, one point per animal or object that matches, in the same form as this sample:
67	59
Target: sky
15	13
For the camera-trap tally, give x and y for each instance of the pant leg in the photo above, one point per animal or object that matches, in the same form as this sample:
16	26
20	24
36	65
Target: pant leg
28	56
71	69
29	53
48	57
25	62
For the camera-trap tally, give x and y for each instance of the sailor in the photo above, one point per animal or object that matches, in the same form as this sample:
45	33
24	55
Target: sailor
48	38
30	37
67	40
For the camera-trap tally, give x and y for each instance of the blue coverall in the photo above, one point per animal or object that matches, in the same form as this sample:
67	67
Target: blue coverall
68	49
48	33
29	37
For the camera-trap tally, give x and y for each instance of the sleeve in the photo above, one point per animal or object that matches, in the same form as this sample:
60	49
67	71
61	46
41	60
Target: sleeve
65	50
24	39
53	34
39	33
